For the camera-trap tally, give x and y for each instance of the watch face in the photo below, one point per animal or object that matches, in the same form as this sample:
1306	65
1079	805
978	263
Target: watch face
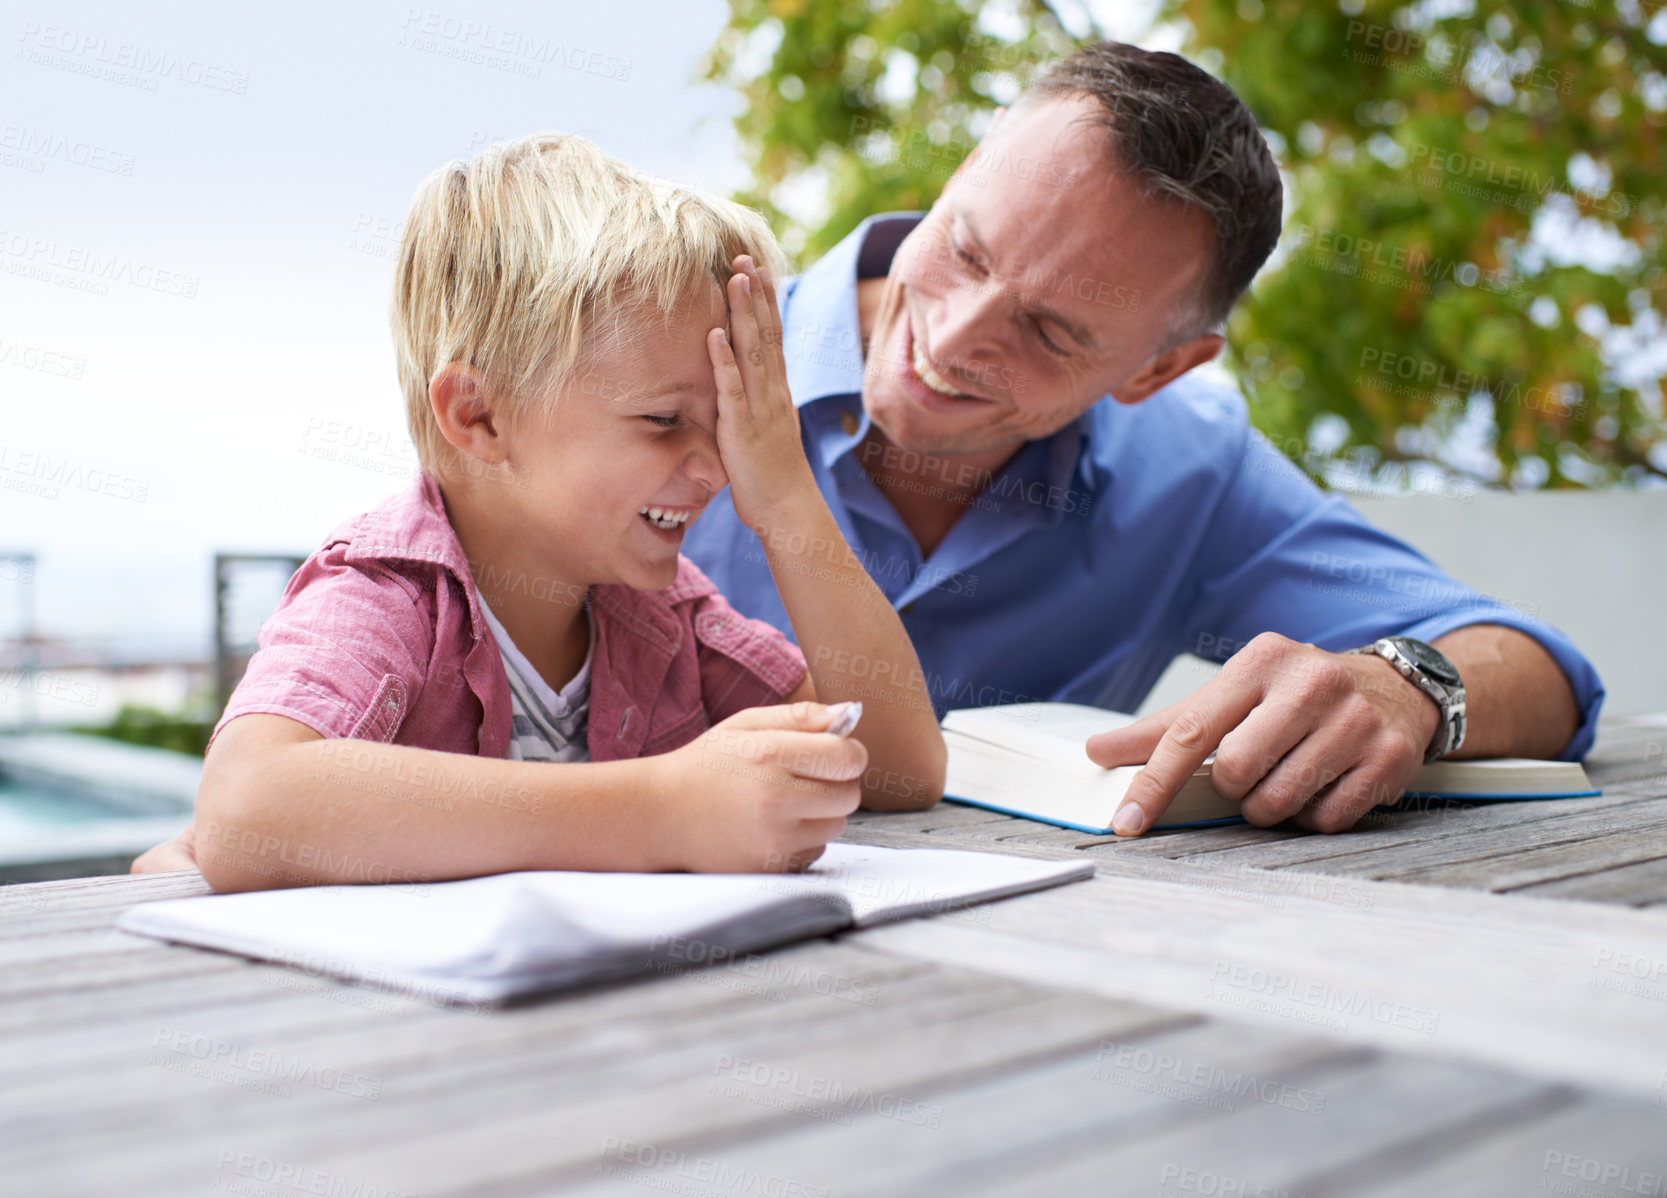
1429	659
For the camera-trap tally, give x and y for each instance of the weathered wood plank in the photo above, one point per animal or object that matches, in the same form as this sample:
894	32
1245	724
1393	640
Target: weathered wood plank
1428	826
467	1127
1547	1154
1403	1107
1516	982
86	894
1596	856
316	1012
1197	1077
1406	859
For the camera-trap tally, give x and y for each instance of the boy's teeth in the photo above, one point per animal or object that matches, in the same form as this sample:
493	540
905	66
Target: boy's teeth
664	517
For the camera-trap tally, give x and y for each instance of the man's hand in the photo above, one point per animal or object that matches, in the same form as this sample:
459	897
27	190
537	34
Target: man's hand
1298	733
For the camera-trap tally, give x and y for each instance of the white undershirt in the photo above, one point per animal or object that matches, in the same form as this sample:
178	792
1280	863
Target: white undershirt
548	725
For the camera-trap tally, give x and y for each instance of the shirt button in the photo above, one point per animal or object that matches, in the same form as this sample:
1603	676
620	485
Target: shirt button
848	422
906	608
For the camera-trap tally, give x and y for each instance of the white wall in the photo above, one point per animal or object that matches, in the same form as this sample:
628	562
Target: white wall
1593	564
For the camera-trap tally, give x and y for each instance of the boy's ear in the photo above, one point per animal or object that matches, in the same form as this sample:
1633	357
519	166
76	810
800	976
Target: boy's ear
462	406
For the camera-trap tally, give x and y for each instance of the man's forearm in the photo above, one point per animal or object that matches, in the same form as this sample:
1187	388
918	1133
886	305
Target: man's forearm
1518	702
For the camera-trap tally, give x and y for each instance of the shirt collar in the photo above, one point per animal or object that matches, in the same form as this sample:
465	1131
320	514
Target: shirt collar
412	526
824	347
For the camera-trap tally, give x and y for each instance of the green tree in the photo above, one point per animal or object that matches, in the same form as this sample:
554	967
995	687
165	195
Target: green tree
1408	318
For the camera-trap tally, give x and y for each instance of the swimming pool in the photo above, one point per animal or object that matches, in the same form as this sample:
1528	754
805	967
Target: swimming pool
78	806
27	809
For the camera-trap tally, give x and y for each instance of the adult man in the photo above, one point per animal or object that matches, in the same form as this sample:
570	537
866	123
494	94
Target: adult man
995	402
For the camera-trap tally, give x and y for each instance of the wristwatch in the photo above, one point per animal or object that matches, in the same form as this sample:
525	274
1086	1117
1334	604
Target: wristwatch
1427	669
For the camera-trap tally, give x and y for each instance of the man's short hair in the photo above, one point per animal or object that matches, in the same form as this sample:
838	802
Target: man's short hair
525	261
1183	133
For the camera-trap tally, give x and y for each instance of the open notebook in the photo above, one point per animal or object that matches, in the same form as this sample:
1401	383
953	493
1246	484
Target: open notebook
1027	759
483	940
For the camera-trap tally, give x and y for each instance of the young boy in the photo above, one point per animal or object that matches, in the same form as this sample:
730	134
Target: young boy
510	666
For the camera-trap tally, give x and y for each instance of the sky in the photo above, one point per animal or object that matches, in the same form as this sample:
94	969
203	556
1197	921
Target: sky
198	212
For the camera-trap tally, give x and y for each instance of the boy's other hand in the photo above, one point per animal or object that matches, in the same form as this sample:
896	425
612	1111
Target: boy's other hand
178	853
764	791
758	426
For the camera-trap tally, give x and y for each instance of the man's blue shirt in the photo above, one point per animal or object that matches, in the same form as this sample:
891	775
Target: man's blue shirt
1097	555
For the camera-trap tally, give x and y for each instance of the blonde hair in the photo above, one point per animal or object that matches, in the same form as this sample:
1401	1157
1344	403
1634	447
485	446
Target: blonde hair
514	261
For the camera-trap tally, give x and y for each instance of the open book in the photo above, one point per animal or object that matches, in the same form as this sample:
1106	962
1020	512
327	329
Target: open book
482	940
1028	759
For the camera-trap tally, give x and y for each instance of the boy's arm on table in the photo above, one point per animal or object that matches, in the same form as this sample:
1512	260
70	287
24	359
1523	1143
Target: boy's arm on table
854	642
279	805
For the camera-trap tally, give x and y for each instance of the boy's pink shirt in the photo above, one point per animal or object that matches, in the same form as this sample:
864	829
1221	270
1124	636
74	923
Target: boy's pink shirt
379	636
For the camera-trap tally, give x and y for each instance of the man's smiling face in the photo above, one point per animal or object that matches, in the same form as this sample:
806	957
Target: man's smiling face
1040	281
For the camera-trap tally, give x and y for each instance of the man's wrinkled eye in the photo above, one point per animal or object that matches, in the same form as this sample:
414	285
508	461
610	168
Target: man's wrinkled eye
666	421
1048	341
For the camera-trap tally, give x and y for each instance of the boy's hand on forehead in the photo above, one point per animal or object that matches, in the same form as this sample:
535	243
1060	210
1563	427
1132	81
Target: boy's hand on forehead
758	426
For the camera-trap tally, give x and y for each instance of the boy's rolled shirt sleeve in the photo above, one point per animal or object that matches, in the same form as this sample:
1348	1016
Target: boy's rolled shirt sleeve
1285	556
743	662
345	653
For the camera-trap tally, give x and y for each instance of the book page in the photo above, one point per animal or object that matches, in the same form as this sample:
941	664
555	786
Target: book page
887	884
1047	731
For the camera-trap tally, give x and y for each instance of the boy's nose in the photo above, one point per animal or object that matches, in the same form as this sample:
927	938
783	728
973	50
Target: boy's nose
707	468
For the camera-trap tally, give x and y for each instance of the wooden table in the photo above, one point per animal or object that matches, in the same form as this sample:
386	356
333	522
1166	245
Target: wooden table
1463	1000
